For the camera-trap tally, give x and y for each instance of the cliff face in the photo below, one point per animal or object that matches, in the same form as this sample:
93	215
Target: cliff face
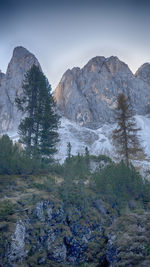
11	86
45	226
88	95
49	238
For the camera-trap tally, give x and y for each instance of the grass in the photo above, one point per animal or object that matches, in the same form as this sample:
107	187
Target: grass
6	208
26	190
20	192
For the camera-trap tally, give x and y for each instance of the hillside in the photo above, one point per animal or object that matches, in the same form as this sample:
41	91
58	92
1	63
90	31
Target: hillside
72	217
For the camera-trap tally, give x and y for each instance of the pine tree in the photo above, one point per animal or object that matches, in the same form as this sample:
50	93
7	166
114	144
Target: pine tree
69	150
125	136
87	157
38	128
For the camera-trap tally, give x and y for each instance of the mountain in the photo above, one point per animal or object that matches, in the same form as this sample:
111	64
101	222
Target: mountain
11	86
68	216
88	95
85	97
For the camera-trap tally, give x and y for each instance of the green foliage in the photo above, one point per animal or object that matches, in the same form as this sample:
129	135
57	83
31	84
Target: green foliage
78	190
125	136
15	160
10	156
73	191
68	151
87	158
56	168
147	249
76	167
47	186
120	184
38	130
104	158
6	209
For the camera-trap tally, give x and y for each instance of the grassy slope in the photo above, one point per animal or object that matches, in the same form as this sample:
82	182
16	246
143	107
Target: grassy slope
19	194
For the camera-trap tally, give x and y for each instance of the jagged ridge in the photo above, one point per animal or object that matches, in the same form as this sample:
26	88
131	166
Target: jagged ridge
88	95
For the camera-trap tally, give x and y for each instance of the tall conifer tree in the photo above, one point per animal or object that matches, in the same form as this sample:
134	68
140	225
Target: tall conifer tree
69	150
125	136
38	128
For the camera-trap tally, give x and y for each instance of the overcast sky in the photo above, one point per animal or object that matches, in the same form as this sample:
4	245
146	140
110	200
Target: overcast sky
64	34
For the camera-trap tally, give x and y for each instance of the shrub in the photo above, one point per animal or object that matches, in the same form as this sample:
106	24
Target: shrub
99	158
14	159
120	184
6	209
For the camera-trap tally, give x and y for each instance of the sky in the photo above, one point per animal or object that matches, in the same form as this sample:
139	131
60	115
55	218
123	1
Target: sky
64	34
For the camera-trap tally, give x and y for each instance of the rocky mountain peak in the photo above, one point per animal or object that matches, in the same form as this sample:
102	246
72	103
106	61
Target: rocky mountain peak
112	64
20	51
70	73
115	65
22	60
144	73
88	95
94	64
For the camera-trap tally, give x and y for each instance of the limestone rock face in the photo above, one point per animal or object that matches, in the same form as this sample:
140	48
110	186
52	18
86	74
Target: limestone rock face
17	244
11	86
144	73
62	240
88	95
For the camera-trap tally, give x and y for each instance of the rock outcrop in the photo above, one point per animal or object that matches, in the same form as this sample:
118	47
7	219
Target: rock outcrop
11	86
48	236
88	95
18	242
